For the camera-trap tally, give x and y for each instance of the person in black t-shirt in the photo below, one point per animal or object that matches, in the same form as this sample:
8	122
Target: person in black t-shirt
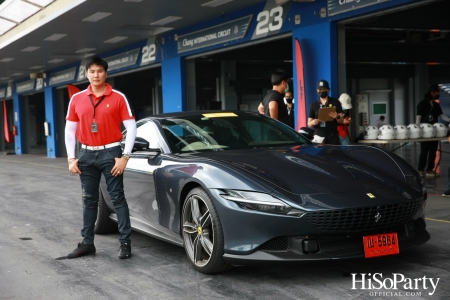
428	111
325	129
273	103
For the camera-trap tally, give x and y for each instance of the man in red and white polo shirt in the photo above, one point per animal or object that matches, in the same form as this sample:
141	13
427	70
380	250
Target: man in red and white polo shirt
94	118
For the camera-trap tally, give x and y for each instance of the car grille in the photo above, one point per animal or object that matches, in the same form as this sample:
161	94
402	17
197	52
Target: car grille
363	219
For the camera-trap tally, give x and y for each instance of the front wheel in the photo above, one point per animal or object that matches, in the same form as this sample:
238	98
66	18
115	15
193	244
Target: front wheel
202	233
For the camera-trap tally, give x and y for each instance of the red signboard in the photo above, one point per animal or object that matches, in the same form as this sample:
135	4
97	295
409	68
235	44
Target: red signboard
300	91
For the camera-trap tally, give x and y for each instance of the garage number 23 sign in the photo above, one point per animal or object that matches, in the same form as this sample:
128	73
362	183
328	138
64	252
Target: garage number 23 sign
271	19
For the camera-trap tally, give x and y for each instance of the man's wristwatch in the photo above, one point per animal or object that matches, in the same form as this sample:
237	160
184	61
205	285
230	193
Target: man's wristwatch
127	156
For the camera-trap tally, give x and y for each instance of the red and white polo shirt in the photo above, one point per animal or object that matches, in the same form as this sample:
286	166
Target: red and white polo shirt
109	115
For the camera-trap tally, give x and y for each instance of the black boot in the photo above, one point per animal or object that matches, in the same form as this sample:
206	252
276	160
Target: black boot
82	250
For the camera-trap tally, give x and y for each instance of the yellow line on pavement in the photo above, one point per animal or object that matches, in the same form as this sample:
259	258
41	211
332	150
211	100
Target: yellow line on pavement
437	220
29	163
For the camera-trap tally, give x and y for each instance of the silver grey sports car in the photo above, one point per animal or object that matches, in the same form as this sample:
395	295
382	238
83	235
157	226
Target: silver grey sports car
235	188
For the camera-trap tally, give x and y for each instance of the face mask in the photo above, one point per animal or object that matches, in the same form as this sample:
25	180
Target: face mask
289	100
323	94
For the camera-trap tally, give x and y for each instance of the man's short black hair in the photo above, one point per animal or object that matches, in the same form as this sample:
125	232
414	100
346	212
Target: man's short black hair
97	61
381	117
433	88
278	77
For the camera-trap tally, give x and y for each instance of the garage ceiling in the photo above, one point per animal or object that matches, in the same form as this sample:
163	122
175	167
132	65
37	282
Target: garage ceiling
133	20
400	37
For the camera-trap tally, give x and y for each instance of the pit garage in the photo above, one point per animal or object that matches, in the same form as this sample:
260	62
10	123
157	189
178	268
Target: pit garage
236	78
392	57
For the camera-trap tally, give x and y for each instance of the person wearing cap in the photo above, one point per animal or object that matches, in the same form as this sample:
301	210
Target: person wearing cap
94	117
344	134
273	103
428	111
325	129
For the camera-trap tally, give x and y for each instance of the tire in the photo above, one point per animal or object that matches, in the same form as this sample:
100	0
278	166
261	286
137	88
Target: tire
104	224
202	233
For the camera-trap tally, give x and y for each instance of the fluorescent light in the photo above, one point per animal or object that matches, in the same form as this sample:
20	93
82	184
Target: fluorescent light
215	3
116	39
6	59
166	20
4	78
133	0
55	37
30	49
161	30
85	50
6	25
18	11
88	55
42	3
16	74
281	2
56	60
36	67
96	17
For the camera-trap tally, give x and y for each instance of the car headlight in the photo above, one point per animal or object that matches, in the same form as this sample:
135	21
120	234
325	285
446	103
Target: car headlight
261	202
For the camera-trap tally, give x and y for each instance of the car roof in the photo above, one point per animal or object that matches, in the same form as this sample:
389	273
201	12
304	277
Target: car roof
193	113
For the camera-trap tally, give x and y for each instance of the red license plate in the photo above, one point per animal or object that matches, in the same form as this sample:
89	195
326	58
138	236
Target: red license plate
381	244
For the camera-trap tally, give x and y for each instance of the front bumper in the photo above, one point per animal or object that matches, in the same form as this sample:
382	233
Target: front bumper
290	249
246	232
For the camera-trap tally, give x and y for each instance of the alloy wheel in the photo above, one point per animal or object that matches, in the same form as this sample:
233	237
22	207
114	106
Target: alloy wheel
198	230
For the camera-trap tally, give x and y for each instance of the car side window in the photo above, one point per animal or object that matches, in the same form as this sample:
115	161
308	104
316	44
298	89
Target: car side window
148	132
262	132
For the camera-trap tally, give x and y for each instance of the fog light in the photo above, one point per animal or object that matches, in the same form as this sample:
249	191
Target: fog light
310	246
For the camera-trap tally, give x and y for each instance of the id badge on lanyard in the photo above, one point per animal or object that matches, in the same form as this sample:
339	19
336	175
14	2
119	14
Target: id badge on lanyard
94	125
323	123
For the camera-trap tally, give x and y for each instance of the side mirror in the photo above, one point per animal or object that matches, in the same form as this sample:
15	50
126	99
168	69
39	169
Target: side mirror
142	147
140	144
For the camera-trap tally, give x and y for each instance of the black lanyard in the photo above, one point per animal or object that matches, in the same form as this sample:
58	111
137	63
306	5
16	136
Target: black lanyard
99	101
323	105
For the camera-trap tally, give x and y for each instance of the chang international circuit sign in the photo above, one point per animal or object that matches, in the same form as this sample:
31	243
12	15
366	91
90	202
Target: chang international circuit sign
222	33
63	76
339	6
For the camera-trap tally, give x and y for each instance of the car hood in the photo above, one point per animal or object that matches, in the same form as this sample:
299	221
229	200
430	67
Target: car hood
313	170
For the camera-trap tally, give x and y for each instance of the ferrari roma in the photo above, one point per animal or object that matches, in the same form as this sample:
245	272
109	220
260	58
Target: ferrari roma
235	188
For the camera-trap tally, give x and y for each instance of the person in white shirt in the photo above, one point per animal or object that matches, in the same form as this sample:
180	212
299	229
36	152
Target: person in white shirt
380	122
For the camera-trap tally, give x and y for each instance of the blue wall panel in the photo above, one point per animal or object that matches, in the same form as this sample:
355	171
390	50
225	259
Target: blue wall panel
319	58
19	123
50	116
173	85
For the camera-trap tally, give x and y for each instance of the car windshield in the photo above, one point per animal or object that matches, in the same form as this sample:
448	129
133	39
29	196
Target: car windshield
227	131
